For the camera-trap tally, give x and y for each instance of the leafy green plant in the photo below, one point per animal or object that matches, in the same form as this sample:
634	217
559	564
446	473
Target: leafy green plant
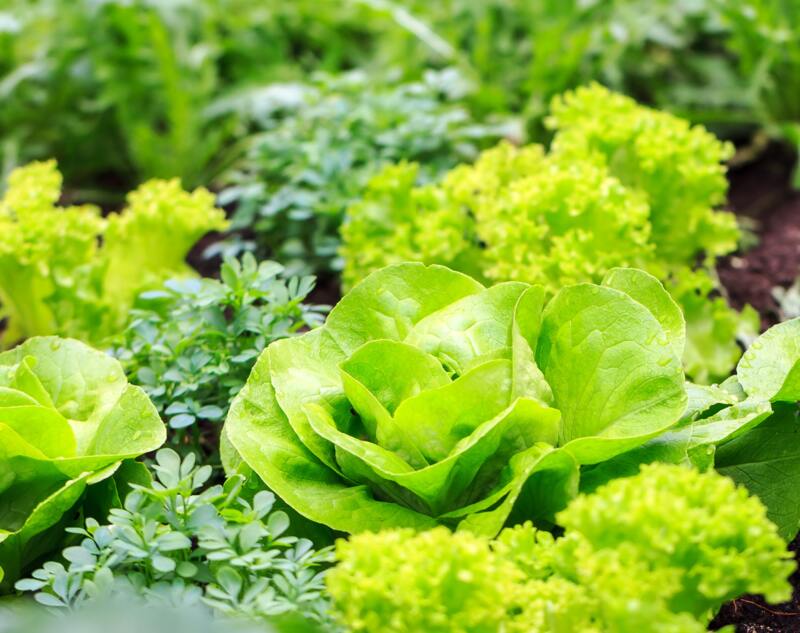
70	420
120	91
192	344
747	427
521	54
317	152
657	552
427	398
764	36
177	541
436	581
622	185
69	271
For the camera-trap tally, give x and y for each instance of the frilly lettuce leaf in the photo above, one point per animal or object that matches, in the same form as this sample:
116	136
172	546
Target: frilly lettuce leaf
71	272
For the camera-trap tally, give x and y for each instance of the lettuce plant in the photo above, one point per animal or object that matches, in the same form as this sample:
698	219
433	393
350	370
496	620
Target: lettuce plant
427	398
622	185
130	90
69	420
398	581
658	552
69	271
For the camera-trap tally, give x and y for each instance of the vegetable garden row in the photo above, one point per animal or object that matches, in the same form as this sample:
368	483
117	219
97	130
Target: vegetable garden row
396	316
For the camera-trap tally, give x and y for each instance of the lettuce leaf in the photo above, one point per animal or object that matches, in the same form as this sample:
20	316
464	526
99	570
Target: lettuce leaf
71	272
68	420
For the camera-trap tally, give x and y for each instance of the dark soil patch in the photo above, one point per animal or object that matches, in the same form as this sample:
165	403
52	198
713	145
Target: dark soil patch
753	615
761	193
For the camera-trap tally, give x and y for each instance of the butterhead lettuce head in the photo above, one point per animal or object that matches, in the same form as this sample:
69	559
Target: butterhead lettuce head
427	398
68	420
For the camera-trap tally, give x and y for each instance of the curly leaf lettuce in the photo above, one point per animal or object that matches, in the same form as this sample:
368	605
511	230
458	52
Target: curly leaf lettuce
622	186
607	572
68	420
427	398
69	271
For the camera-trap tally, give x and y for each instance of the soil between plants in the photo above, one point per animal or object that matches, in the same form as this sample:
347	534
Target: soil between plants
752	615
761	195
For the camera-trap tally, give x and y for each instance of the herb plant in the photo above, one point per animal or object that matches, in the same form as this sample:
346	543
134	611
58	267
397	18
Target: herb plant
177	541
317	152
69	271
192	344
622	185
125	614
69	422
657	552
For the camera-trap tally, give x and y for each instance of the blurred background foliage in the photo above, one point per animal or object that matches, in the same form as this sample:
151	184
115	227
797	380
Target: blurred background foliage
123	90
288	109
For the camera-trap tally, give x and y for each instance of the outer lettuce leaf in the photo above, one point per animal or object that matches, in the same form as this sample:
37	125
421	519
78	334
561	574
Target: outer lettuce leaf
614	373
80	420
259	431
427	398
767	461
770	369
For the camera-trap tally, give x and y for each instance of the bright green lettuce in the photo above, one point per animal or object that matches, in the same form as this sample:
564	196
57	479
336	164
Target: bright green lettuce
427	398
622	185
68	420
658	552
748	427
71	272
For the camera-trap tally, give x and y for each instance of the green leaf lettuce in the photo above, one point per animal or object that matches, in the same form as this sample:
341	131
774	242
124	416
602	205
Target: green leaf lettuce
68	419
427	398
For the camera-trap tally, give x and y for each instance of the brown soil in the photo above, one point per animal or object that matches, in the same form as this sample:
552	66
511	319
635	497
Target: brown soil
760	193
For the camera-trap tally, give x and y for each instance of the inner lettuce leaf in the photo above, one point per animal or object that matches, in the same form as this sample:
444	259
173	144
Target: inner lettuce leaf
68	420
428	399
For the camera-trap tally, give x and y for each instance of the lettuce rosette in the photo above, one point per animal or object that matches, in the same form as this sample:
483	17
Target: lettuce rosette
68	421
427	398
